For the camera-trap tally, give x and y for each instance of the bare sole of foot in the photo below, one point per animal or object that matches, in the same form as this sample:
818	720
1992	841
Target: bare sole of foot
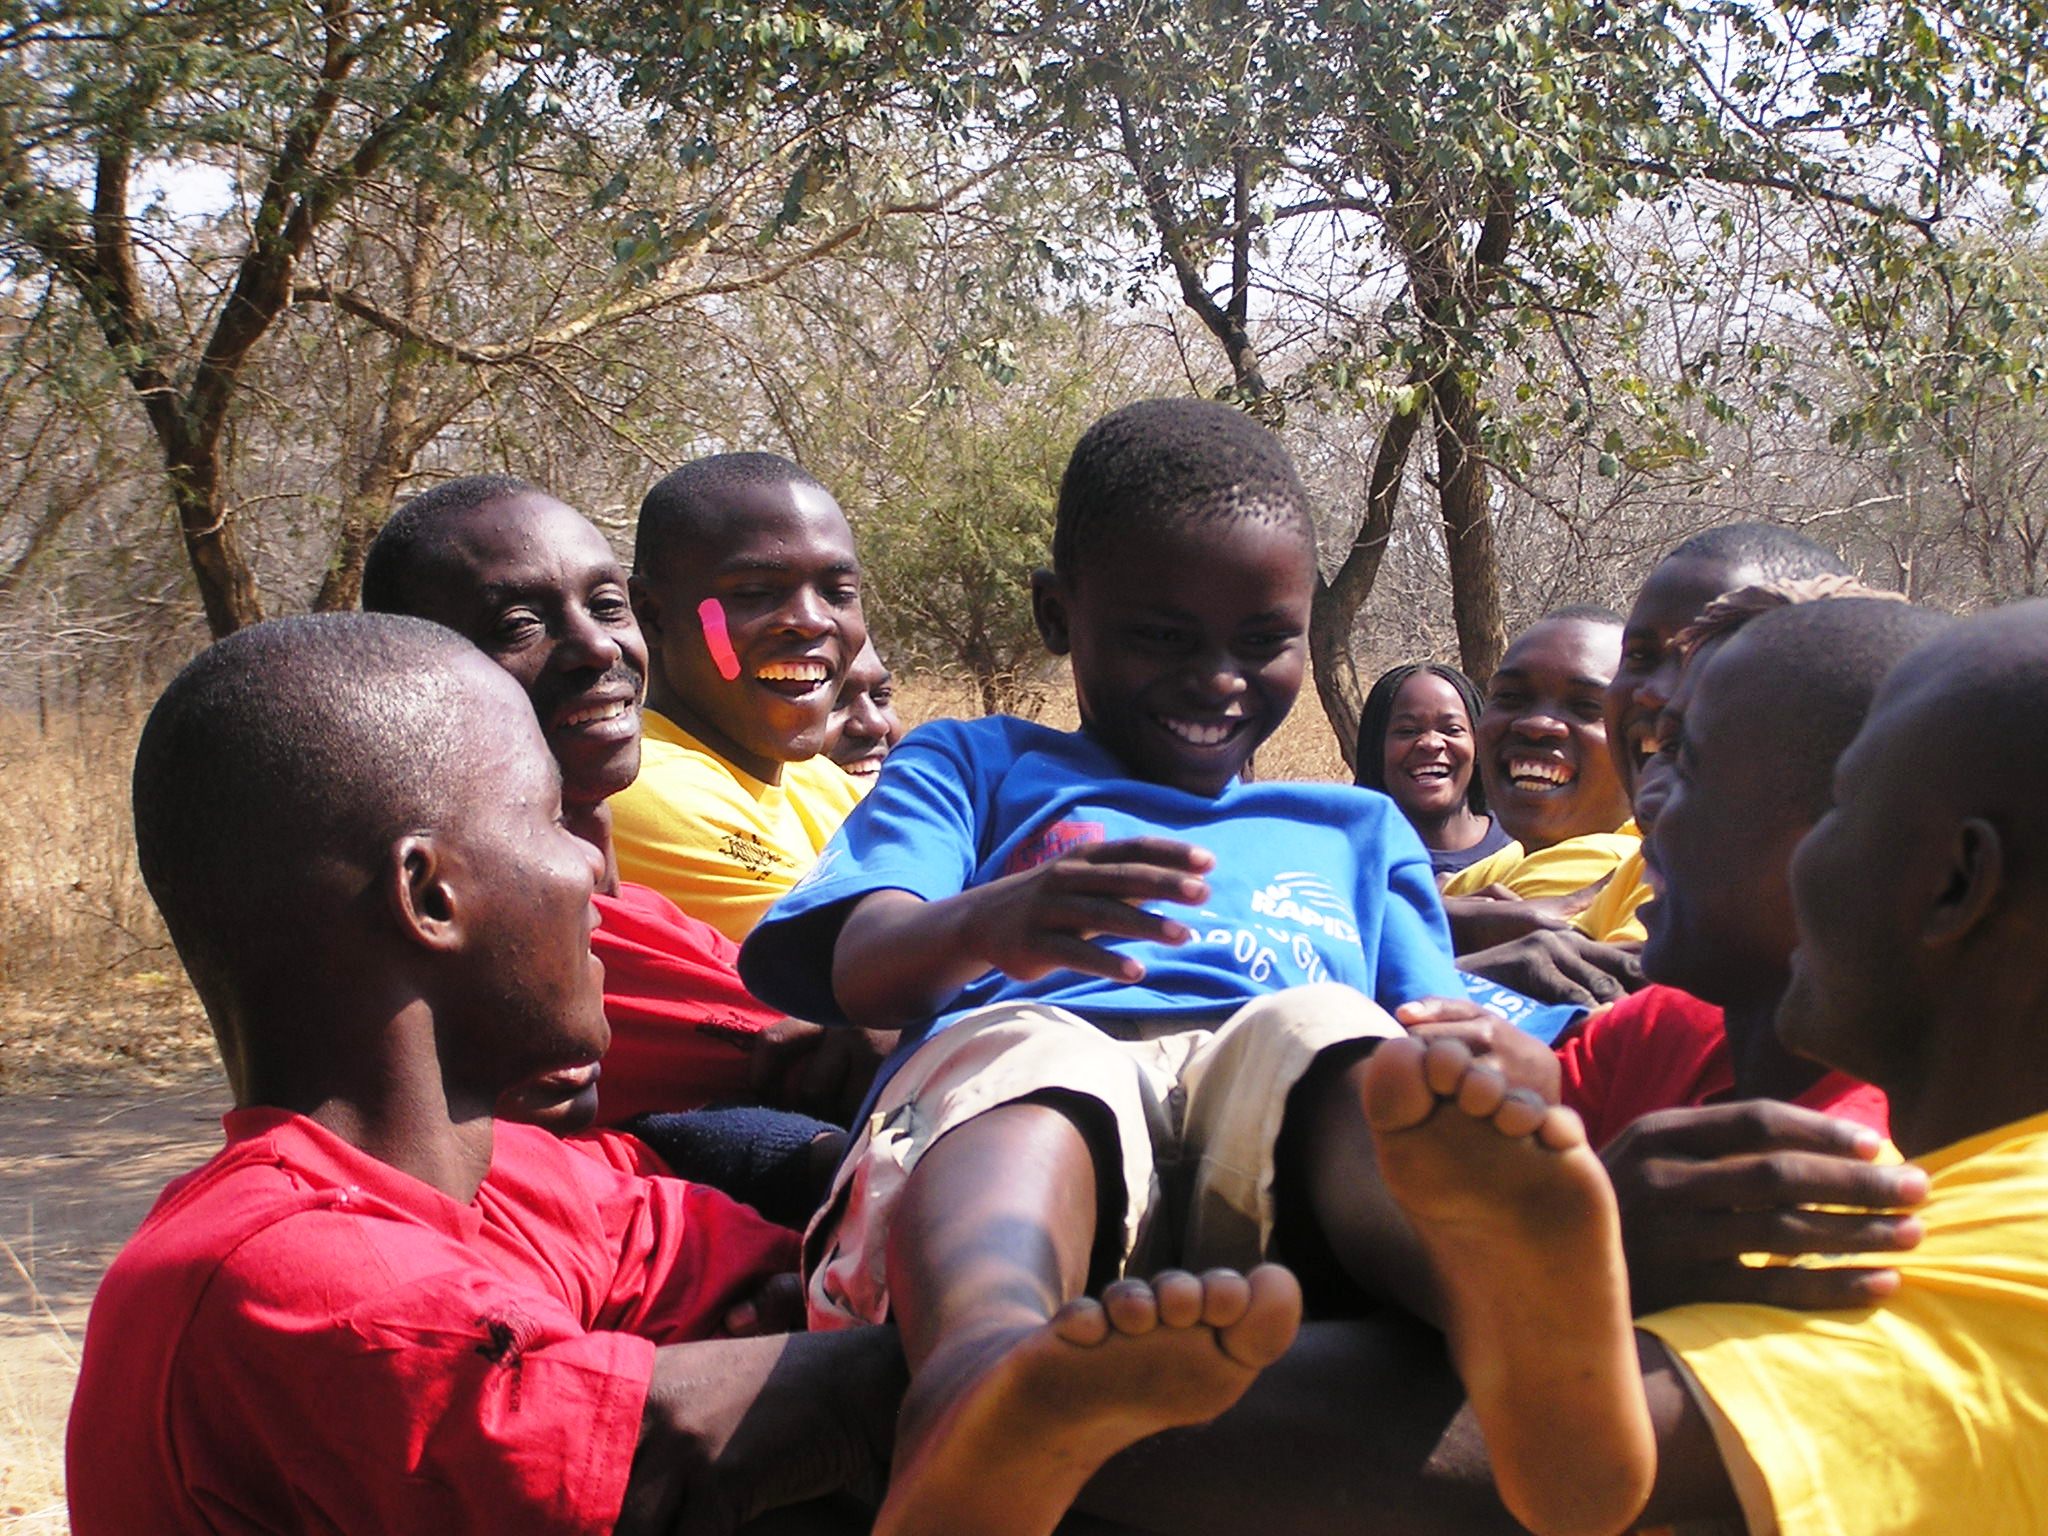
998	1436
1520	1223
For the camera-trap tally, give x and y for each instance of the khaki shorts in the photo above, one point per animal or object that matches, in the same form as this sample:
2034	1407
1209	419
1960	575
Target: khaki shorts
1196	1113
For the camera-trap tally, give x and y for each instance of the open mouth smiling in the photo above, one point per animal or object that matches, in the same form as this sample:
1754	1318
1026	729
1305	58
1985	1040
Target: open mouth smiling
1538	775
1202	734
795	679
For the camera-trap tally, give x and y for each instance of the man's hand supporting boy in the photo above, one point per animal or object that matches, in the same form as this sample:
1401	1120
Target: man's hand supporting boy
899	957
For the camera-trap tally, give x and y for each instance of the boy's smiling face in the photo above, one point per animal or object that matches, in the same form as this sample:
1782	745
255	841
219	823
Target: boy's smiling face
787	584
1720	925
1188	645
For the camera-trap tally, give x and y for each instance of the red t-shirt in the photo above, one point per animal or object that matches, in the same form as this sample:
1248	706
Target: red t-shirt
1661	1048
302	1338
682	1025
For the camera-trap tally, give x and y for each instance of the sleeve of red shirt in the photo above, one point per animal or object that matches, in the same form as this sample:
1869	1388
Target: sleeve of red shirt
686	1254
1659	1048
683	1025
332	1384
1583	1072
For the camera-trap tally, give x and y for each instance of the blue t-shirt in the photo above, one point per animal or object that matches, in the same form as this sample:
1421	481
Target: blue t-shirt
1312	882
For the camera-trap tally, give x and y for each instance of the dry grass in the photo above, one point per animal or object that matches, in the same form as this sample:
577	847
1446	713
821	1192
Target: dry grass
88	983
36	1378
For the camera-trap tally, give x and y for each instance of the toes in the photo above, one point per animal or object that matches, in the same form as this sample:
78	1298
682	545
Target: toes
1180	1298
1226	1297
1520	1112
1081	1322
1481	1092
1132	1306
1445	1065
1397	1094
1270	1321
1561	1129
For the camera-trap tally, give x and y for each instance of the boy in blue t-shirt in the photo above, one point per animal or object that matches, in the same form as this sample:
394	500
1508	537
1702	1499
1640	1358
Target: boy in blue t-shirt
1090	1085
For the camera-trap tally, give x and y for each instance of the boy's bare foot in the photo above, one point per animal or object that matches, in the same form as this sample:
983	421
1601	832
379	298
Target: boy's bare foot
1520	1225
998	1434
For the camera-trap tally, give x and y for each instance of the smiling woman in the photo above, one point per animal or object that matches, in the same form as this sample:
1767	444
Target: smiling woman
1415	745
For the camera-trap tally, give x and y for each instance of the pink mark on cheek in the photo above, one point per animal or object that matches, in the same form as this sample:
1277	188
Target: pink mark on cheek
711	614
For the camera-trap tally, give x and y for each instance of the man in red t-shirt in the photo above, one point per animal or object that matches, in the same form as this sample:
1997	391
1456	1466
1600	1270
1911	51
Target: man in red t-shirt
1684	1085
538	589
378	1309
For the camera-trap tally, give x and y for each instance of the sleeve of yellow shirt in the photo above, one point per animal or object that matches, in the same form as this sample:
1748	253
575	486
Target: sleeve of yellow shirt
1563	869
1612	917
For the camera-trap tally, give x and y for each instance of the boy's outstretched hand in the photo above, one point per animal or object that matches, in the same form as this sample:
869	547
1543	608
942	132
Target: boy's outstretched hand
898	957
1043	920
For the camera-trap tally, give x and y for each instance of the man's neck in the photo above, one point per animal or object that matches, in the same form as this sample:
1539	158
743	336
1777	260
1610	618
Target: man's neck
1763	1068
591	820
665	703
381	1090
1980	1067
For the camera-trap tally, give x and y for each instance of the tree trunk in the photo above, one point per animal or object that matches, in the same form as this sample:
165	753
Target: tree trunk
227	586
1333	615
400	432
1468	529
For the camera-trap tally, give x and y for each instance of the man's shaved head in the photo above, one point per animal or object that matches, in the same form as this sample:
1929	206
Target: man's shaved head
694	503
284	760
1770	551
413	540
1757	724
1923	895
1974	705
1812	670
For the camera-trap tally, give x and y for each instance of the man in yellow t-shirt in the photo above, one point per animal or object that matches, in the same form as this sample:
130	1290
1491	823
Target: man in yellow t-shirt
746	584
1683	582
1921	900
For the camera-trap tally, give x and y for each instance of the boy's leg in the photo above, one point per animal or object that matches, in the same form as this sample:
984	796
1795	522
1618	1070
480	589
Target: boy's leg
1010	1450
983	1187
1520	1226
1265	1167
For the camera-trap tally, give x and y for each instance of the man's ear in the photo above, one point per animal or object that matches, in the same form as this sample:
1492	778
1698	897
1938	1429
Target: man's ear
1049	610
646	606
1974	882
420	894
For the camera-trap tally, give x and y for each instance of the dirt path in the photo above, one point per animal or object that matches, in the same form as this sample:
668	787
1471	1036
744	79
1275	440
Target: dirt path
78	1172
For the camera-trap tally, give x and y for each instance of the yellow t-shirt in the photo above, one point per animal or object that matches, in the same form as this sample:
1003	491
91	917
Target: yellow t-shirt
1564	869
1612	917
1928	1415
716	841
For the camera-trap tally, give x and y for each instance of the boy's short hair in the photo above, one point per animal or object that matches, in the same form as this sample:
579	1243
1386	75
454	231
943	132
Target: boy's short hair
1161	465
1775	552
419	528
686	501
326	733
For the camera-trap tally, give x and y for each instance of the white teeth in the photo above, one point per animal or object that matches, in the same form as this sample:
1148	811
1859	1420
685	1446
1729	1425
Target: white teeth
1200	733
1538	771
597	712
794	672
